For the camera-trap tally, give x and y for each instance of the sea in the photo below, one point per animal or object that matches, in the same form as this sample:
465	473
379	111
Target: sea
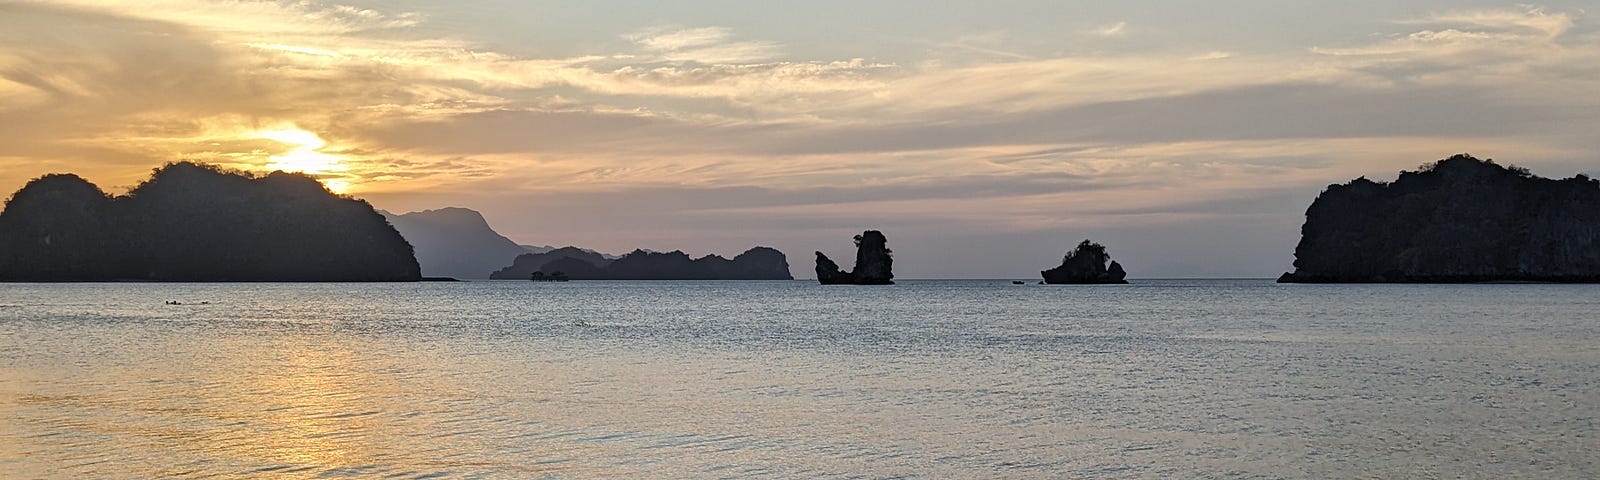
790	379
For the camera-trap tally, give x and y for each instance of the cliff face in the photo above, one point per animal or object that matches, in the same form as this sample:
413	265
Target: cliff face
874	263
191	222
455	242
759	263
1086	265
1458	220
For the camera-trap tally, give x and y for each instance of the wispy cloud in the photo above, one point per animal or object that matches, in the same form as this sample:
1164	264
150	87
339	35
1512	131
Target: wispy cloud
704	45
1530	19
1117	29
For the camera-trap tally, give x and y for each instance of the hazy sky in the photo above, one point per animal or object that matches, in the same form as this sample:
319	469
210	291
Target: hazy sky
984	138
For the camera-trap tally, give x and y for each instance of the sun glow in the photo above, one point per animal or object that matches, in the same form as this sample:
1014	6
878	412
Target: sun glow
306	156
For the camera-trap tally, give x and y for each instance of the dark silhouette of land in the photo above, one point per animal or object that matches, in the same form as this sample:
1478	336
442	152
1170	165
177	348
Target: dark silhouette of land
195	222
1086	265
1460	219
455	242
874	263
527	264
759	263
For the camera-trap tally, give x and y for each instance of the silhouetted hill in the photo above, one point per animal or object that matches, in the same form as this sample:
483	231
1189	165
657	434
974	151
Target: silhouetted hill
536	249
874	263
1086	265
759	263
1460	219
193	222
455	242
524	265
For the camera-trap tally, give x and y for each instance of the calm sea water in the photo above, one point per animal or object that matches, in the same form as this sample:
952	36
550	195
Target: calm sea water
936	379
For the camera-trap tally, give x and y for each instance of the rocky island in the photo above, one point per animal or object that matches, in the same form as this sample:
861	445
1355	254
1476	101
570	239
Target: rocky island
526	265
759	263
1457	220
191	222
874	263
1086	265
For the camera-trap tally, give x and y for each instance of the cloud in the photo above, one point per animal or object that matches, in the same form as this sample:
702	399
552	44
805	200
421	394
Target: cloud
1111	30
1530	19
704	45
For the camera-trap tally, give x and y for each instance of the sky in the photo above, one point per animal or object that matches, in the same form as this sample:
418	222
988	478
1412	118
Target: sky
984	138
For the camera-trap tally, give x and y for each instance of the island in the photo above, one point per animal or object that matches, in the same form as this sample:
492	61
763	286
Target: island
526	265
1086	265
192	222
758	263
1457	220
874	263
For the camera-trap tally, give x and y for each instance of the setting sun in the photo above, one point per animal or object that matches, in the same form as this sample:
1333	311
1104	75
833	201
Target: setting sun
306	156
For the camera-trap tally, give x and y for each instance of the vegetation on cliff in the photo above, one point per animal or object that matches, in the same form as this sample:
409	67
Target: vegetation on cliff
195	222
1460	219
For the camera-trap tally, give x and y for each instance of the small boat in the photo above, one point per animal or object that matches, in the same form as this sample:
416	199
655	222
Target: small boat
1018	282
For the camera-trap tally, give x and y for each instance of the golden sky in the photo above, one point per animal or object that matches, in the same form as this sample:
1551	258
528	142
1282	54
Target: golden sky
714	126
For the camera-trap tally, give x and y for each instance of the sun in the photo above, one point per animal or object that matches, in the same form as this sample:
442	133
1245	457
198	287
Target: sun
306	156
340	187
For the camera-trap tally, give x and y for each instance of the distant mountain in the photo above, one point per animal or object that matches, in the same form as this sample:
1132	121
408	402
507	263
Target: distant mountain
194	222
1460	219
759	263
524	265
538	249
548	249
455	242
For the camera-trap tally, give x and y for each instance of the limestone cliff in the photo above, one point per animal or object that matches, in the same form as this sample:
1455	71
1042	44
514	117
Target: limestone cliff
874	263
1460	219
1086	265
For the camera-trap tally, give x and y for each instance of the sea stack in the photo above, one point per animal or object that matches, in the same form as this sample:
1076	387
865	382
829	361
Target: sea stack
874	263
1457	220
1086	265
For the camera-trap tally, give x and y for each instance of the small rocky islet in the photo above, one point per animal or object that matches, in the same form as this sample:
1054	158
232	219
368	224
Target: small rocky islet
874	263
1086	265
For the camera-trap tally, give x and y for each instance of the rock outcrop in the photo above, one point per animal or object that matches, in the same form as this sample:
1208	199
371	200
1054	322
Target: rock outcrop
455	242
1460	219
1086	265
874	263
759	263
194	222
